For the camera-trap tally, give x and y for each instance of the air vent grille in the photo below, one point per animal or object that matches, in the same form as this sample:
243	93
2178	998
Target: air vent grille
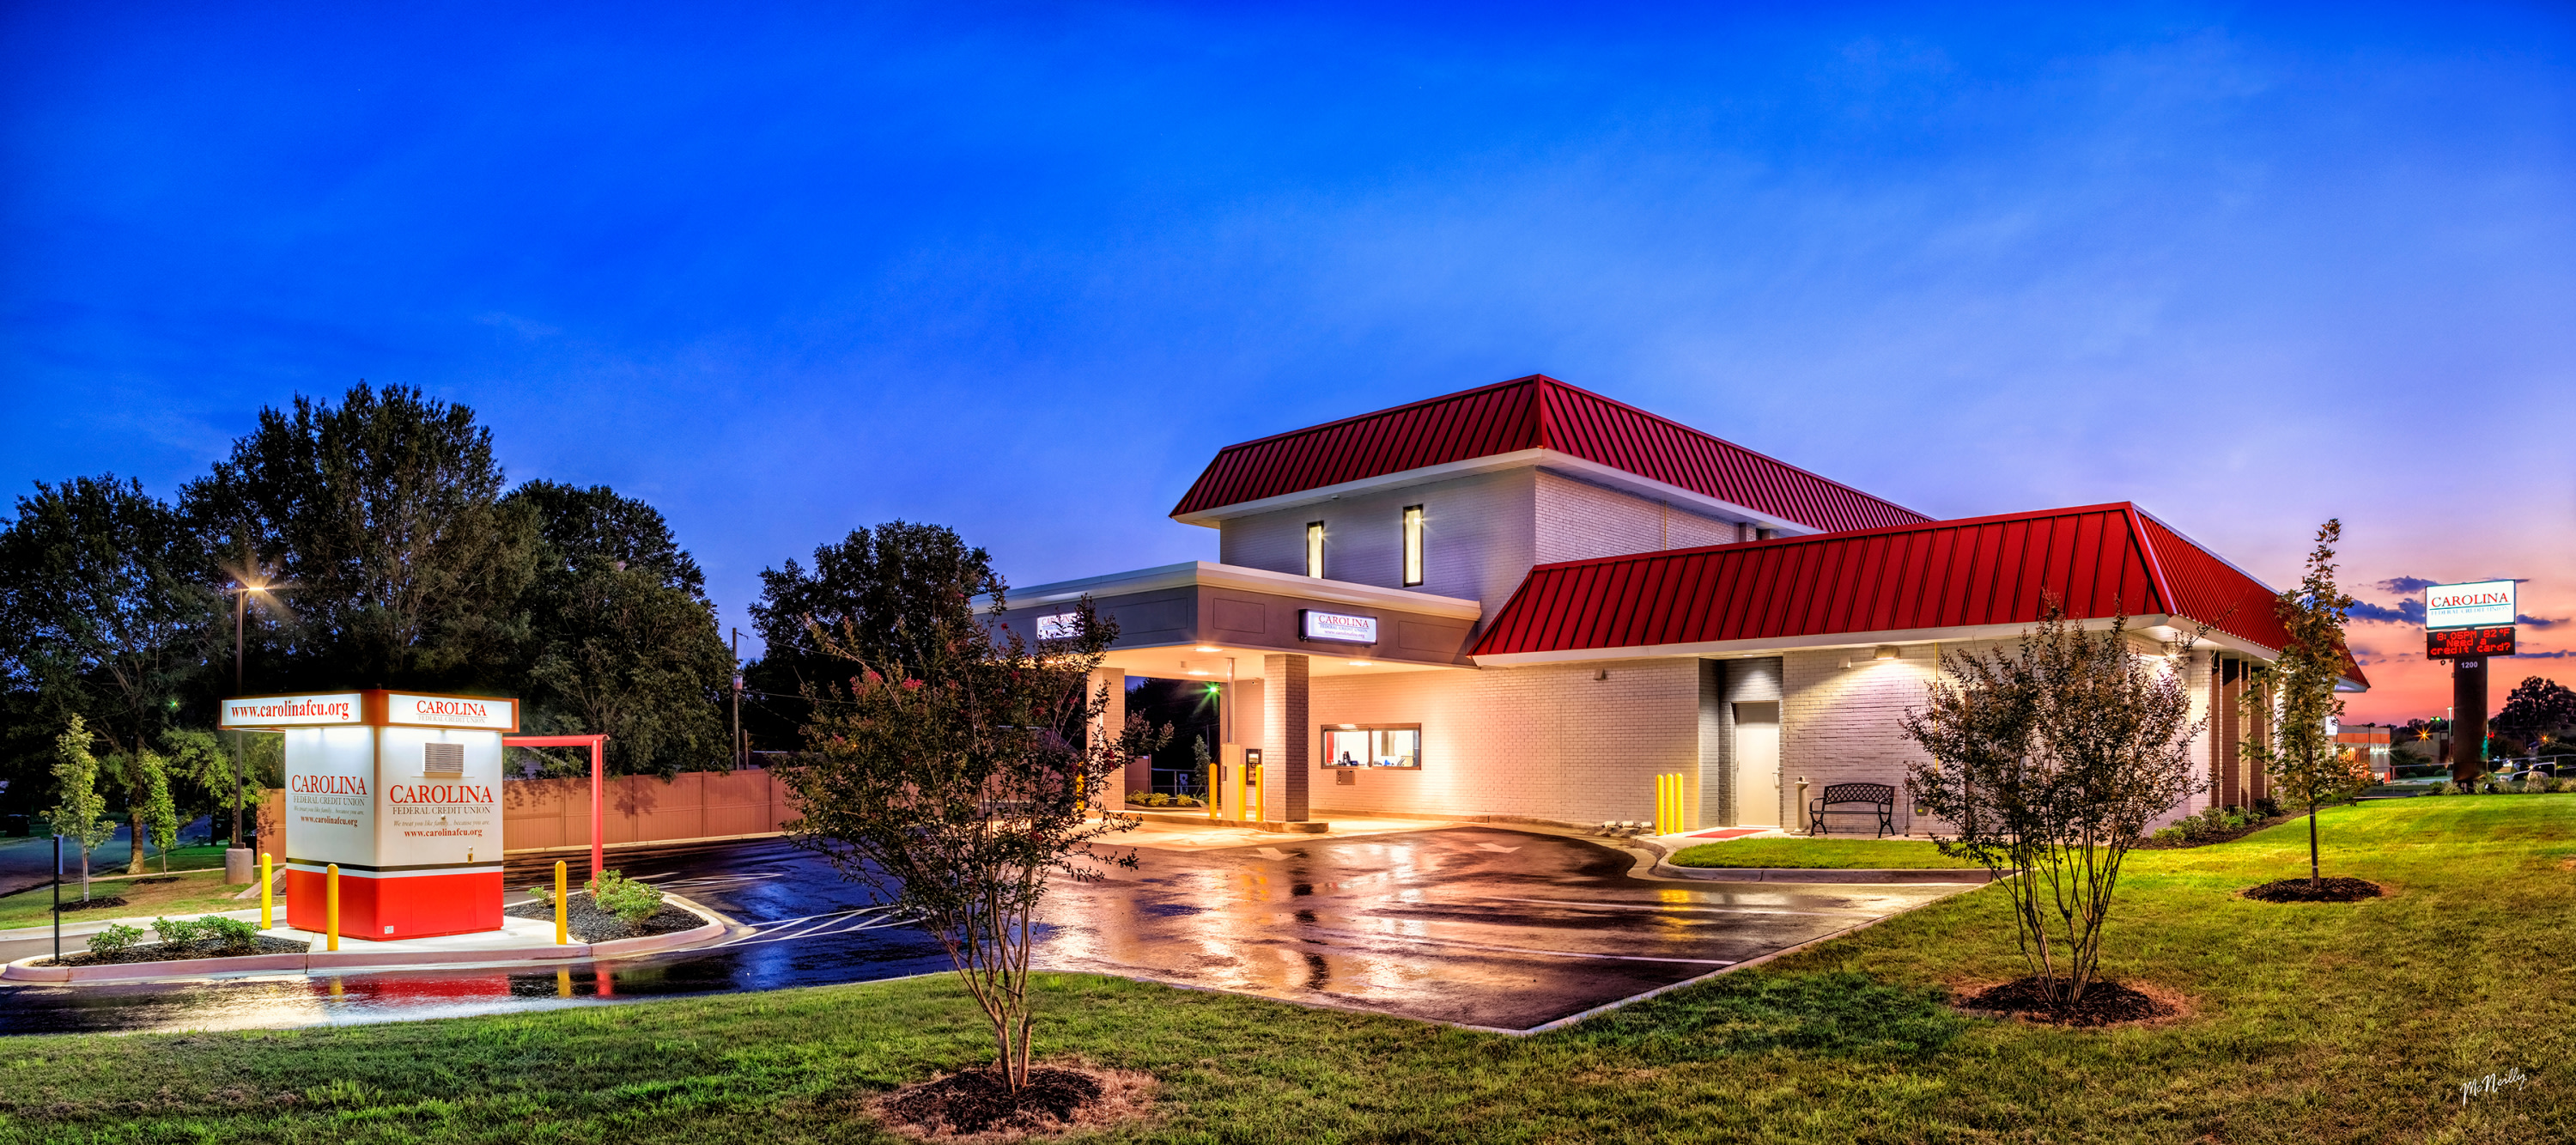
442	760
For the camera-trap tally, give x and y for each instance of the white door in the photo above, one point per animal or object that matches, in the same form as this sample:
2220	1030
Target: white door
1757	765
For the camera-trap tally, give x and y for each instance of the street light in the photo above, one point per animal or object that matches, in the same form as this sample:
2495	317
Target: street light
245	583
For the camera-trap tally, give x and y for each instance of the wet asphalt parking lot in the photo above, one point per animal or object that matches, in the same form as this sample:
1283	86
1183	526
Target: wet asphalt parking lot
1480	926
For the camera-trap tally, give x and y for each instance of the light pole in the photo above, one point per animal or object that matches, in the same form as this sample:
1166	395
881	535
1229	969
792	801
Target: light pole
739	755
237	854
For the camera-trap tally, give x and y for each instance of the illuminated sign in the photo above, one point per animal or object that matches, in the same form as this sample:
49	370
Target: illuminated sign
2484	604
1333	626
293	711
1061	626
452	711
2468	643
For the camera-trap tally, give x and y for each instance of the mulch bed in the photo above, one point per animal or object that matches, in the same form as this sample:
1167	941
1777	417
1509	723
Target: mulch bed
2216	837
978	1105
2331	889
165	952
588	923
99	902
2103	1004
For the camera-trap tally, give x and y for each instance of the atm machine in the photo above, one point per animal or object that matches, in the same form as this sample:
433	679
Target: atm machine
402	792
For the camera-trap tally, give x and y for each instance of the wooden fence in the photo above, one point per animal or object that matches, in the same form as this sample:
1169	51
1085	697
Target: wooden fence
554	814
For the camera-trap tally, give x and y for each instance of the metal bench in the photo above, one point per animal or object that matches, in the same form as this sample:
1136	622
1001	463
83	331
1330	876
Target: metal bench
1878	797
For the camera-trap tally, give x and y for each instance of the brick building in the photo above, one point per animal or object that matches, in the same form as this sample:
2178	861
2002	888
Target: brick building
1528	601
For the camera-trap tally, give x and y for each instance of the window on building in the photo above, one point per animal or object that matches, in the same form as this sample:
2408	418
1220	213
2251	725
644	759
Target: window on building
1373	745
1315	549
1412	545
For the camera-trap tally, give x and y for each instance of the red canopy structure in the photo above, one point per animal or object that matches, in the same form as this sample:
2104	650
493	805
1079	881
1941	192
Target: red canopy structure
598	800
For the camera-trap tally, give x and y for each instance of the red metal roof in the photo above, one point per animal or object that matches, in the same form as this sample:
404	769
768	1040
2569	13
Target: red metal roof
1536	412
2100	559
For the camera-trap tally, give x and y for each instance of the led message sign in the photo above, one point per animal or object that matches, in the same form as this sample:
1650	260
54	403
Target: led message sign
2468	643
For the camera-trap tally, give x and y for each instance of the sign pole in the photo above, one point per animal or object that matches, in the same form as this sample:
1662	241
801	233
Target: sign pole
2468	719
58	898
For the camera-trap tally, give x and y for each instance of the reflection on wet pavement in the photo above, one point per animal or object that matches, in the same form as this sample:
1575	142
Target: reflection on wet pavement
1481	926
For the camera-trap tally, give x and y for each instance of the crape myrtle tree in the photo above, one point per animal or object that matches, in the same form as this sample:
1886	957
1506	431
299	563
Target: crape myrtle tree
957	770
2302	757
2051	759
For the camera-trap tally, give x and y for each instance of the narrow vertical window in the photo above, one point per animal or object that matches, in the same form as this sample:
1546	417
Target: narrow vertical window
1315	549
1412	545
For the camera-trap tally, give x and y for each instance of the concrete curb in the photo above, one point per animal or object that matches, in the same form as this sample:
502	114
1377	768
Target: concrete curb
345	961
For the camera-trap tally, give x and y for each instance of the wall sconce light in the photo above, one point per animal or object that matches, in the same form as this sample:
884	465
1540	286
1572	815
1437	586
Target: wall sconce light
1603	674
1885	652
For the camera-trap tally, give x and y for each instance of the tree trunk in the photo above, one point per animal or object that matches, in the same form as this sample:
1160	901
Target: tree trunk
134	865
2314	883
84	874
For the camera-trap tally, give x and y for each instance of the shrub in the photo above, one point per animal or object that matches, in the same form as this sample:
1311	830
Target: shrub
116	939
2171	834
176	931
624	897
228	933
2449	789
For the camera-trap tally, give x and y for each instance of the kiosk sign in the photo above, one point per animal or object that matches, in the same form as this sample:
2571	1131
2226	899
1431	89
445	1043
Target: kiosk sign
2481	604
402	792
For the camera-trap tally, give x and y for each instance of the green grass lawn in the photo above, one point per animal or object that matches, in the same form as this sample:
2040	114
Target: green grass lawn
1839	854
2310	1024
202	893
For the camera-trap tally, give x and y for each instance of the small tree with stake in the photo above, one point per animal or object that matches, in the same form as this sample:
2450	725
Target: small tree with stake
81	814
960	779
2302	757
2051	760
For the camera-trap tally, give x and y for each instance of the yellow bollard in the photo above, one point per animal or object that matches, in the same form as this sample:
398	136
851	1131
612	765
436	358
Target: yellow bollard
563	935
265	897
563	979
331	908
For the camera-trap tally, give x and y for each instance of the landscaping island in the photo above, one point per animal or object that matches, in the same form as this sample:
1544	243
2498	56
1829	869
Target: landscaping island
2306	1023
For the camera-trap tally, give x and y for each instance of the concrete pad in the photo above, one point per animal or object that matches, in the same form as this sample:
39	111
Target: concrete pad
519	941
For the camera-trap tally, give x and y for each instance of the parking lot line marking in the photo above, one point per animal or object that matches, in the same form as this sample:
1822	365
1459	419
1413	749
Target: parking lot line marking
1660	908
1509	949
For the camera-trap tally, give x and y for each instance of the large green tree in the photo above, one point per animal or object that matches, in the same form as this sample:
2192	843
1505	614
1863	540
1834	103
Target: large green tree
638	660
104	615
2537	706
623	640
385	514
881	589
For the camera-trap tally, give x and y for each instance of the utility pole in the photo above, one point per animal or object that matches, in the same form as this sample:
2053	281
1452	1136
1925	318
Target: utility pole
740	756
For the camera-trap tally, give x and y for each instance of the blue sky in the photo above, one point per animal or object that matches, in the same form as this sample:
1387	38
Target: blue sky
1022	270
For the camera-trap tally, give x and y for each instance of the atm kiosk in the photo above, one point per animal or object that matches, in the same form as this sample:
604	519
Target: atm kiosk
401	791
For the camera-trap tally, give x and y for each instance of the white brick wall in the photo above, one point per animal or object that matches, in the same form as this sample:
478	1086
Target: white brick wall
1546	742
1481	533
1578	520
1842	725
1476	537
